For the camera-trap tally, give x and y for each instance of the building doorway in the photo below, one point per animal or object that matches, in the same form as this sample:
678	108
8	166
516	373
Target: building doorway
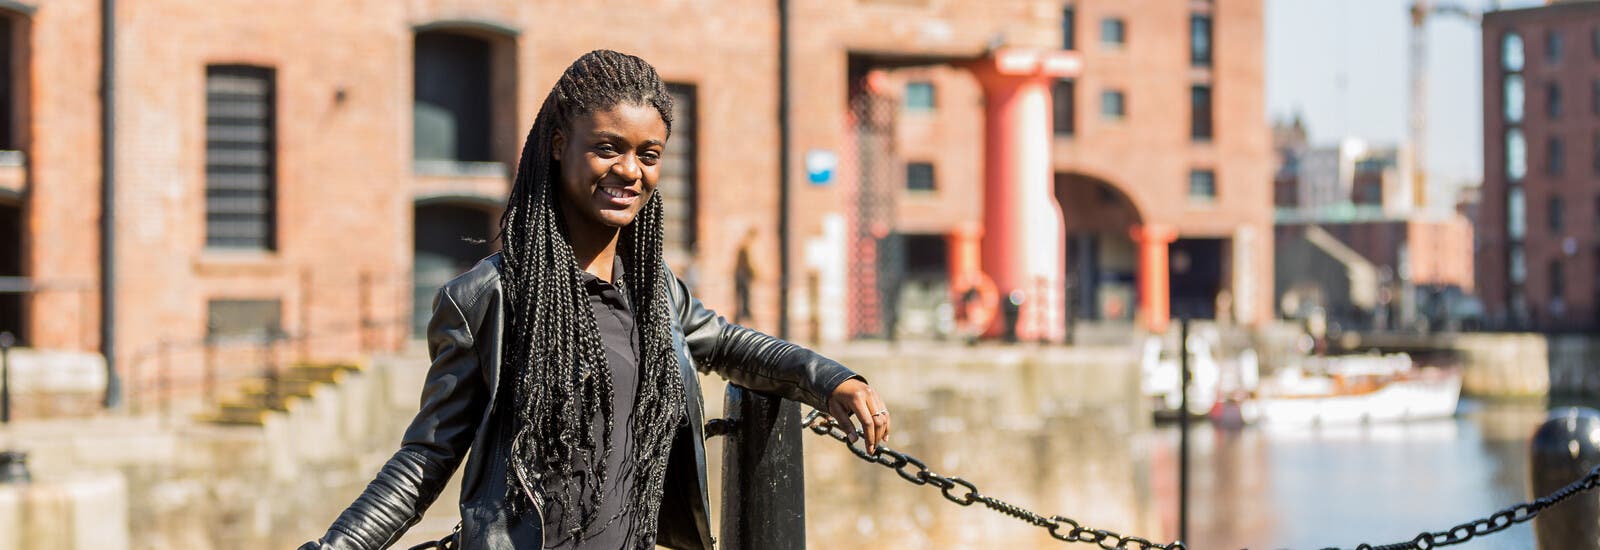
449	238
1102	259
11	311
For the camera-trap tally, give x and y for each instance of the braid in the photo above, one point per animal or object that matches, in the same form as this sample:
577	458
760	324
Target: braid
556	369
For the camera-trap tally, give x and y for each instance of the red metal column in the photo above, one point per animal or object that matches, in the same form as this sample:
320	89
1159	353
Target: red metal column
1023	238
1154	294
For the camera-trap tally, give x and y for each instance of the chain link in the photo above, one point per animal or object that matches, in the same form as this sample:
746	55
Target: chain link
1062	528
965	493
1495	522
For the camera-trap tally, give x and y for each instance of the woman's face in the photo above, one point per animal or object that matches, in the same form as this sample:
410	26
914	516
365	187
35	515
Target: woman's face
610	161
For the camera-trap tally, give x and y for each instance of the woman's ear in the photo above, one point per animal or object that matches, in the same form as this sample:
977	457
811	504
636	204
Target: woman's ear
557	144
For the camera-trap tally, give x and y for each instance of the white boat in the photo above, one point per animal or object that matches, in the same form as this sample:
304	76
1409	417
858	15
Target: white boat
1364	389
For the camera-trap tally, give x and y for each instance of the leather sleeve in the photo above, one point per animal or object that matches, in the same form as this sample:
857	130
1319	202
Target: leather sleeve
755	360
453	398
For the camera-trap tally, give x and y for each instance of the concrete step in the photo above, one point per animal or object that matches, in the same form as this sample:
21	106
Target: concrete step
237	417
261	401
329	374
287	386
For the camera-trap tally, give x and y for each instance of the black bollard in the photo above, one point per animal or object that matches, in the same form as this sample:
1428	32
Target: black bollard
1564	449
763	474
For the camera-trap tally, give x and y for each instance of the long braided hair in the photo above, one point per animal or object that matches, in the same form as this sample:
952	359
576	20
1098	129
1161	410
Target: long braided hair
556	365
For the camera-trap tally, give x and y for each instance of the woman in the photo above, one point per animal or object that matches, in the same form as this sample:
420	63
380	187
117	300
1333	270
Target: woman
566	363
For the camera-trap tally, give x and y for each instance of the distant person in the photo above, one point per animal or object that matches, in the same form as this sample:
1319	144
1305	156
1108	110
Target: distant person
565	363
744	273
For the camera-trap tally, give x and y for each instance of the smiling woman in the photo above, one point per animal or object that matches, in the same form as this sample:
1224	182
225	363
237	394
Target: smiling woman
566	363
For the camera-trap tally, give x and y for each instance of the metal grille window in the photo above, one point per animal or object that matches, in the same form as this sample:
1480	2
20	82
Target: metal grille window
241	164
1552	100
1200	125
1112	105
1555	156
244	318
919	95
1555	214
1064	107
680	176
1069	38
1113	32
1200	40
919	176
1202	186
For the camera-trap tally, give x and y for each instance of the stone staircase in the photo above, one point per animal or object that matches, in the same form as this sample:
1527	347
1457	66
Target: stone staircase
259	398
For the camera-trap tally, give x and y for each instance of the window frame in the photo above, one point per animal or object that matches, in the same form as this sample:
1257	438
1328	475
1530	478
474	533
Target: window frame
217	233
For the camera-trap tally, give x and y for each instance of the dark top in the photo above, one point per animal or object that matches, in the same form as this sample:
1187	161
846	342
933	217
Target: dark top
614	316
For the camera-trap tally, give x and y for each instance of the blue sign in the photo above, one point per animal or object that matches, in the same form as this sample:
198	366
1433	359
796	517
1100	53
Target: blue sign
820	165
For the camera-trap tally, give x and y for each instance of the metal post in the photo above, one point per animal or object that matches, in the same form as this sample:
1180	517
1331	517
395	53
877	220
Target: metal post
6	341
304	346
210	366
1183	428
1565	448
763	474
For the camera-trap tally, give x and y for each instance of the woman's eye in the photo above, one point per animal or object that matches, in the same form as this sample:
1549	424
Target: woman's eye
606	148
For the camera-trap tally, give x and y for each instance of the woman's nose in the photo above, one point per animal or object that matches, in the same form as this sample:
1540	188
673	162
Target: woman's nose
627	167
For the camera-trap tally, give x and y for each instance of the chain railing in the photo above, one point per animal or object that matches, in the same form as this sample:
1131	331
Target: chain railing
1062	528
1495	522
965	493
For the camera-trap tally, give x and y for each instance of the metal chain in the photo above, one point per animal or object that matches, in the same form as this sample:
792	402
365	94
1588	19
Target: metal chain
1066	529
1496	522
1061	528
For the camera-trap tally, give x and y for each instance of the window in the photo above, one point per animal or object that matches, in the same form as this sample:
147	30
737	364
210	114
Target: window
919	176
1552	100
1594	41
1113	32
12	68
1064	107
1200	40
451	116
1200	126
1558	281
1513	98
1594	96
1069	35
1594	157
680	176
243	318
1516	214
1516	154
1511	52
1555	156
919	95
1554	214
1552	47
1518	265
1202	186
241	164
1111	105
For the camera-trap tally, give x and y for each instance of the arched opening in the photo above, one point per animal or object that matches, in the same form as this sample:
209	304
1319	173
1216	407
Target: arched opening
464	107
450	236
1102	259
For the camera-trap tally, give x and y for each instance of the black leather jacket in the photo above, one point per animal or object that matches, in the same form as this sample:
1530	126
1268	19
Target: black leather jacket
459	400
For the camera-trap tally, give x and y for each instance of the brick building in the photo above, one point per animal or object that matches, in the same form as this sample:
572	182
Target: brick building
1539	216
320	167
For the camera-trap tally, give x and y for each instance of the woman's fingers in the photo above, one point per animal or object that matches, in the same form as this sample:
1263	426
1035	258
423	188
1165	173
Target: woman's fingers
869	423
841	414
882	420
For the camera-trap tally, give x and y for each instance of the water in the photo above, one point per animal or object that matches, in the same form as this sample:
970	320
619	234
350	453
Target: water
1314	488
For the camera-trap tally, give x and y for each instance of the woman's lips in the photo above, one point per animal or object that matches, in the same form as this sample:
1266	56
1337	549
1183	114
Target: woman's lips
616	196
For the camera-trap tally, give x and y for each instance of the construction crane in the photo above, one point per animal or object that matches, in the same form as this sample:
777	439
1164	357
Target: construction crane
1421	12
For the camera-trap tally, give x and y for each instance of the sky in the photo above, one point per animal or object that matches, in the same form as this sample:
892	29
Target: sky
1341	64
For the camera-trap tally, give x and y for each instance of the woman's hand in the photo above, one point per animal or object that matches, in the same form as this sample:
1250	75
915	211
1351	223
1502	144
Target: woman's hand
857	398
